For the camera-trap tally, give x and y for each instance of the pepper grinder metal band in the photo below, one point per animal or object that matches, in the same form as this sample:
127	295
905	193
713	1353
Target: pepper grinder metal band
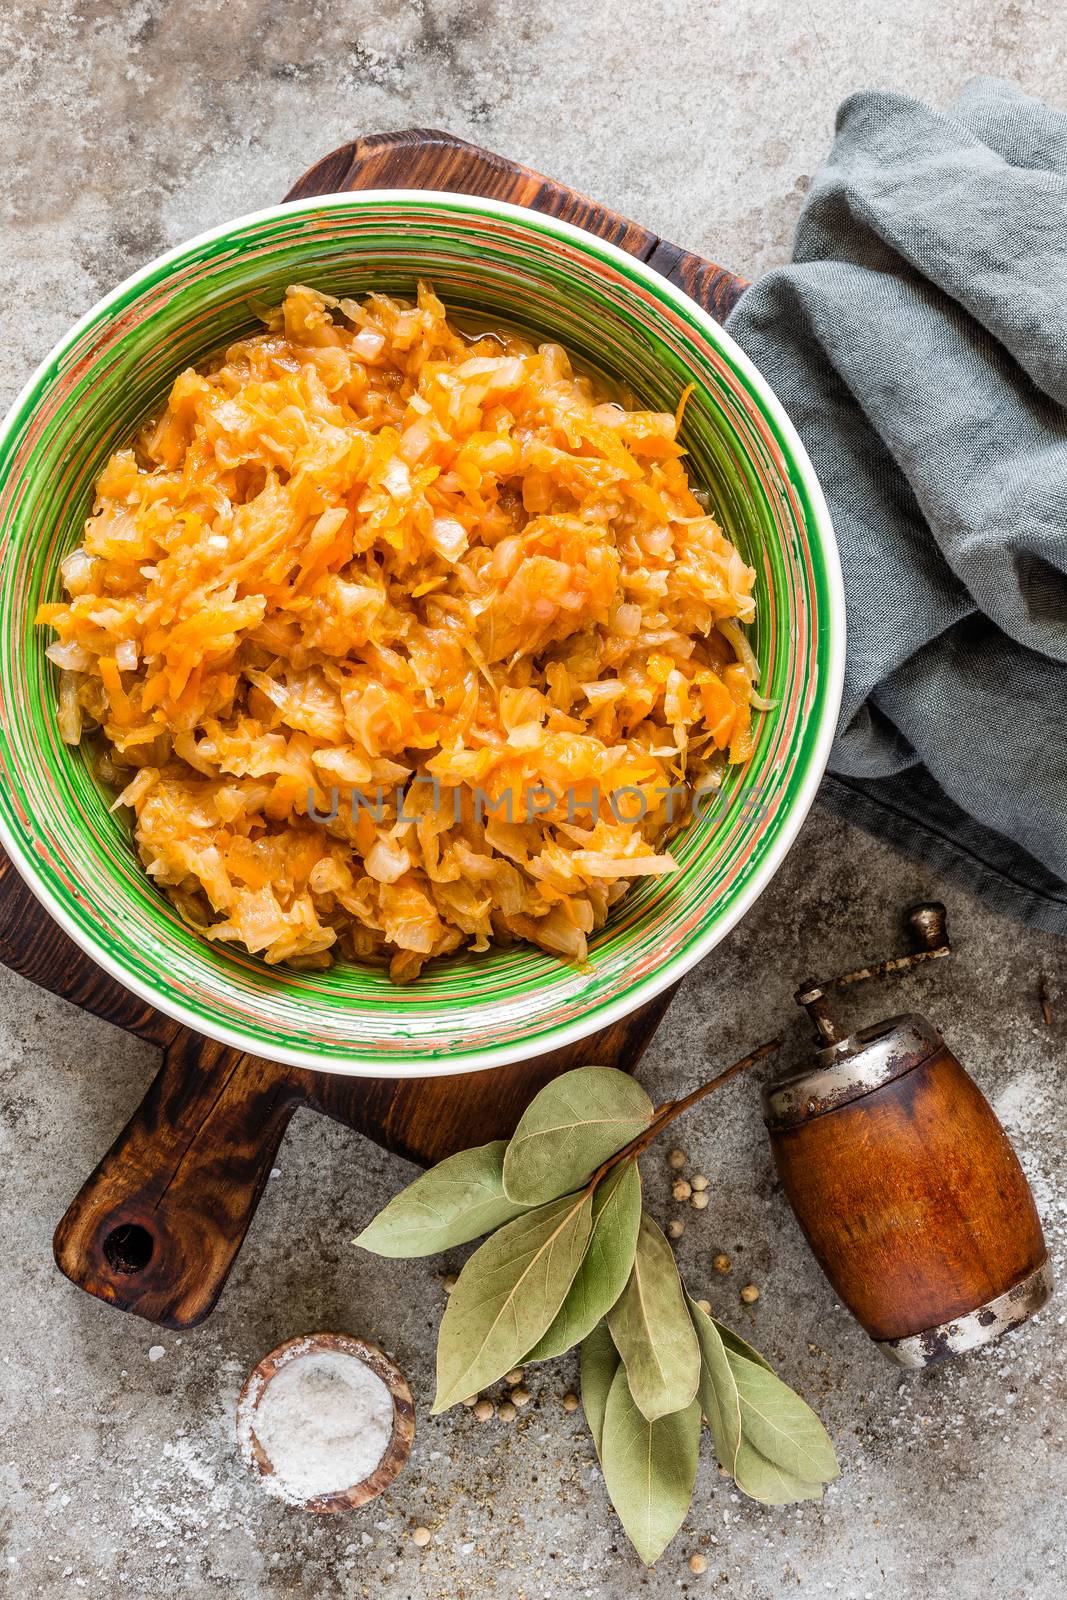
904	1182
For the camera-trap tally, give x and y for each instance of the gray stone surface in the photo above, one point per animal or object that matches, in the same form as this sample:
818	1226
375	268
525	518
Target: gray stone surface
125	128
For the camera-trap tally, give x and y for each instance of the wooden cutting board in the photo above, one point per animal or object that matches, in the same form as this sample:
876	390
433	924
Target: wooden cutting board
157	1227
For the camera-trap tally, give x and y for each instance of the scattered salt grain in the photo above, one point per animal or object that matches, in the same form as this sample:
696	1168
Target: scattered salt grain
324	1421
156	1352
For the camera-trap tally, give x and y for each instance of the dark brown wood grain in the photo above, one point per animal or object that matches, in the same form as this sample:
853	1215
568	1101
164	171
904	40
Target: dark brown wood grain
912	1200
34	946
157	1227
425	158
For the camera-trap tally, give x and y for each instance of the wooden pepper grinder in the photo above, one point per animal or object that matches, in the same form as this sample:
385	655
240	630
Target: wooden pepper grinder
904	1182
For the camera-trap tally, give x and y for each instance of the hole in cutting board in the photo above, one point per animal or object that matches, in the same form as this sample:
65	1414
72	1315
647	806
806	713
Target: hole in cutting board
128	1248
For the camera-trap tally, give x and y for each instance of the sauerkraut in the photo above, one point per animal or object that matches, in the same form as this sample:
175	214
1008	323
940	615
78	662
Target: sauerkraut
396	640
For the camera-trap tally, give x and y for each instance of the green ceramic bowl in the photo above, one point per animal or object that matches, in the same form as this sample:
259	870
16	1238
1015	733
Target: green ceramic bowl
498	264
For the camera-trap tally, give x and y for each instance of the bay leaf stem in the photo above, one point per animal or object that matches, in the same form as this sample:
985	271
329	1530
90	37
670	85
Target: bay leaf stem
670	1109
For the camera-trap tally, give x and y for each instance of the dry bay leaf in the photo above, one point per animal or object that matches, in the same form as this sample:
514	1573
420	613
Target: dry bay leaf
780	1426
507	1296
566	1132
600	1363
456	1201
717	1390
721	1356
652	1330
649	1467
741	1347
769	1483
606	1265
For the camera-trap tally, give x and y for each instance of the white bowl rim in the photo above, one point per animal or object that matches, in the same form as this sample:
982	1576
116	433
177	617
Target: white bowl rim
630	1001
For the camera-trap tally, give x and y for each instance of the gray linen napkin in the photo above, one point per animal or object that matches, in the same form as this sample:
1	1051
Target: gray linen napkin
919	343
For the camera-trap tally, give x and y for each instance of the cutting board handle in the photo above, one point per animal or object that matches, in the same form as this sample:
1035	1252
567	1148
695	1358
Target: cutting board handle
156	1228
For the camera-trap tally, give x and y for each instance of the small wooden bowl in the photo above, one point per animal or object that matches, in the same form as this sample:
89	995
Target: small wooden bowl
309	1344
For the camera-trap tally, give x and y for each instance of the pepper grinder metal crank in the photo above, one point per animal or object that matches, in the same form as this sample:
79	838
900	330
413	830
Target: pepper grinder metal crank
903	1180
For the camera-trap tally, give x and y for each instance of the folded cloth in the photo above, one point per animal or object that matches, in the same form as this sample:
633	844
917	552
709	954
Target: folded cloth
919	343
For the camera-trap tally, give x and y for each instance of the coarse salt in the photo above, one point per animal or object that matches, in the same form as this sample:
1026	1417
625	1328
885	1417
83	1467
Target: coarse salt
325	1421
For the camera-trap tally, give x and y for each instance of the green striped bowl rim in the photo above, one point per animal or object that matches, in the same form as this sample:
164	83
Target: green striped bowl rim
495	264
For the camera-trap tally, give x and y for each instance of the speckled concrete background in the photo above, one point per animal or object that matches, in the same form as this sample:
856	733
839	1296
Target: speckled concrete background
126	127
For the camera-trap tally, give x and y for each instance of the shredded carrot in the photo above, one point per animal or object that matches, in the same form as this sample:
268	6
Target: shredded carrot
679	410
362	555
